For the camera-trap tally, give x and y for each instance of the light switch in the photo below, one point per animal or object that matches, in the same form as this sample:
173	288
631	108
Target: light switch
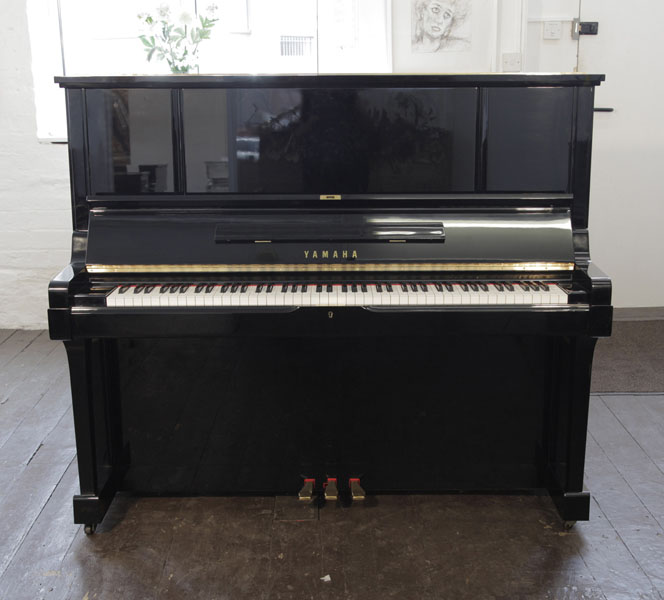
511	62
552	30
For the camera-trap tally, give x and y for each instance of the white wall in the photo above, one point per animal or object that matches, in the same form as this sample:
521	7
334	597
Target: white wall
35	221
627	189
551	55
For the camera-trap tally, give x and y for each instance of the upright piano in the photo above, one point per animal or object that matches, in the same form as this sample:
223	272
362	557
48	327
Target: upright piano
330	286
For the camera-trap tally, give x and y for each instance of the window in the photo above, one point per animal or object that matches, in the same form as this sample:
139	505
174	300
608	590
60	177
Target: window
79	37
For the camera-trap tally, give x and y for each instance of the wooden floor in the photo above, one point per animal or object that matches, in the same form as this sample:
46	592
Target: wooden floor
399	546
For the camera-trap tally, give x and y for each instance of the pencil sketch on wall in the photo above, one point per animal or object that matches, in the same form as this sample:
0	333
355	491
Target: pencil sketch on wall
441	25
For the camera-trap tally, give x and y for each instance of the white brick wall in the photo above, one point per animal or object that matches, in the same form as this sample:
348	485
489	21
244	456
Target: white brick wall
35	214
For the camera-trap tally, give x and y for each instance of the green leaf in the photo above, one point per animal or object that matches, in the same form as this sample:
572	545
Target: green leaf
150	53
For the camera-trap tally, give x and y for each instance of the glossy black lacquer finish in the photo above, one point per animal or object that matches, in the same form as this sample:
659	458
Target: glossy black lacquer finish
169	172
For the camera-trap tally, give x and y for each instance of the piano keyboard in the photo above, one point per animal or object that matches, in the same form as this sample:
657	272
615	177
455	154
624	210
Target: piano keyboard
338	294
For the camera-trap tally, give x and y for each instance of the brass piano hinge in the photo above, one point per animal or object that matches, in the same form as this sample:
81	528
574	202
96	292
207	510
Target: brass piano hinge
330	196
341	267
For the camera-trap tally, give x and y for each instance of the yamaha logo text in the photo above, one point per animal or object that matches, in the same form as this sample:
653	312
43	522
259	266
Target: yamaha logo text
318	254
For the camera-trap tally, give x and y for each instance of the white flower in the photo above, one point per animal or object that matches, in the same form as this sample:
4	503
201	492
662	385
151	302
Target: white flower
185	18
163	10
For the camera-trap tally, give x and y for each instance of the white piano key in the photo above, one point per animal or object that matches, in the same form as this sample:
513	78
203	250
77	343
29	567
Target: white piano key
112	297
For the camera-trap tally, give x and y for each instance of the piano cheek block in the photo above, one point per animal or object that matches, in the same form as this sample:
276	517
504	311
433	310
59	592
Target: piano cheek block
325	298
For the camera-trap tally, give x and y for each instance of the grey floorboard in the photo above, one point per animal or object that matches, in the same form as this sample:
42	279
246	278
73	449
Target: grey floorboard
655	407
5	333
643	418
35	423
29	491
27	365
640	472
35	570
427	547
14	345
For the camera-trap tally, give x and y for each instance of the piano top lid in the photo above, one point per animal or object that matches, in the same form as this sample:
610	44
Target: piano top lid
335	81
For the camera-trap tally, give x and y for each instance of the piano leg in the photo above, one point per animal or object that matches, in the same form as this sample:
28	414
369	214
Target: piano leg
102	459
566	426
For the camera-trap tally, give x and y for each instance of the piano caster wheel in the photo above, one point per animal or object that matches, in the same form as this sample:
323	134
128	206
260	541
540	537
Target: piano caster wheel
90	528
569	524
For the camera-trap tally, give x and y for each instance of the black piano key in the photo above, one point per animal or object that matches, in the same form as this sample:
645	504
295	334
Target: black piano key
199	288
184	288
449	287
294	288
319	288
344	288
474	287
209	288
234	287
304	287
174	288
484	287
224	288
149	288
438	286
259	288
363	287
124	288
270	287
389	288
329	288
139	288
423	287
523	286
379	288
464	286
544	287
244	288
509	287
404	287
498	286
284	288
353	288
164	289
413	286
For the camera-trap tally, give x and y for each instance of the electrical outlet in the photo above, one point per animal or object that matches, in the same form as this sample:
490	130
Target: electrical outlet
552	30
511	62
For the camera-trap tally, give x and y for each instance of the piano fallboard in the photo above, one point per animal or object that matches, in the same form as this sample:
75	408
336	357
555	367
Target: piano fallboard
181	241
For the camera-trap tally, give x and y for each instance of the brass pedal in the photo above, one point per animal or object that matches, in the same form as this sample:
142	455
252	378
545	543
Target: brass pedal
306	494
331	491
356	490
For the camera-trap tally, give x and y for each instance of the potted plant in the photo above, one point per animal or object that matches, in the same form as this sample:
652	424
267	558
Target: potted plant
176	39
